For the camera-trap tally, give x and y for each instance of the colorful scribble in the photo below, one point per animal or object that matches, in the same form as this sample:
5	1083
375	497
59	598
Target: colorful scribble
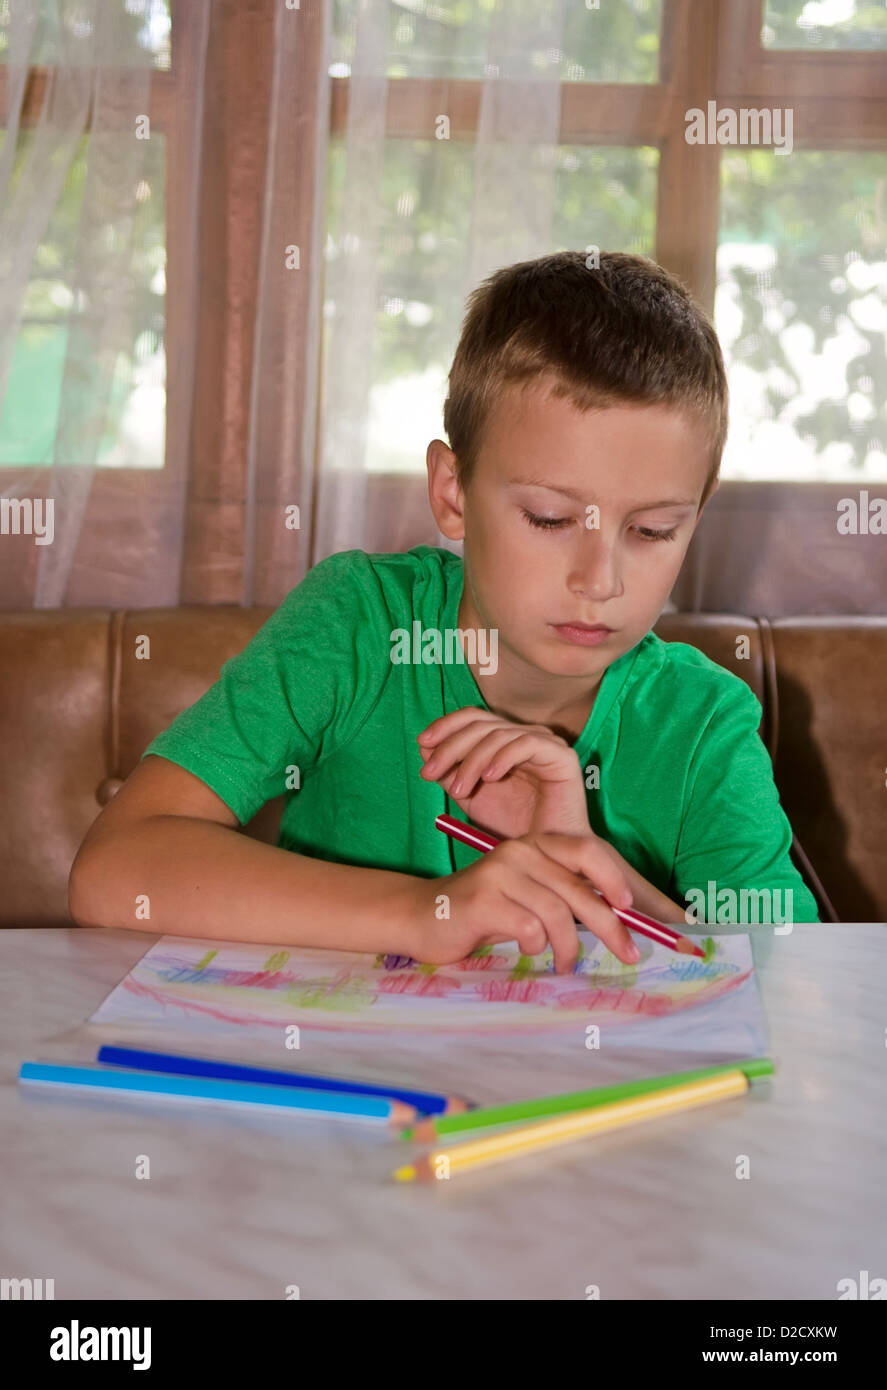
498	989
276	961
523	968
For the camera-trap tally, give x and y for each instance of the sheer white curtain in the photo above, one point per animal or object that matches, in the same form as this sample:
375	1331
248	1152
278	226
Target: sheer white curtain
384	230
768	543
93	127
511	198
307	446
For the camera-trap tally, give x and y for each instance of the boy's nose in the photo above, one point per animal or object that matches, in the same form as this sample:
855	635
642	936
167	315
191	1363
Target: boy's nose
597	576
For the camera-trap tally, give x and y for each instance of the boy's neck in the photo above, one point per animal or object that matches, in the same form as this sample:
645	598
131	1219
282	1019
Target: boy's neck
566	720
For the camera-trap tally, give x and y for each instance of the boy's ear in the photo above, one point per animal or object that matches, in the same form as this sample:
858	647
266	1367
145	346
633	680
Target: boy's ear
444	493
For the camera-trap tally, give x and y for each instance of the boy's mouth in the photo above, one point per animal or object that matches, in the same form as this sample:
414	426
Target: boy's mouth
583	634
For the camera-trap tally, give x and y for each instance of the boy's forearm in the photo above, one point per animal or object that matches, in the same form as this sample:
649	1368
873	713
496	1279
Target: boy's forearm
191	877
198	878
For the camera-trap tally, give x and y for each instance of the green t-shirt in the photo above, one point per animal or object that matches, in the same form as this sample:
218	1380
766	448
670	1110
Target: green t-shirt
315	709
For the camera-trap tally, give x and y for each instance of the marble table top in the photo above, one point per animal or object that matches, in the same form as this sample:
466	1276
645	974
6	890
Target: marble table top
251	1206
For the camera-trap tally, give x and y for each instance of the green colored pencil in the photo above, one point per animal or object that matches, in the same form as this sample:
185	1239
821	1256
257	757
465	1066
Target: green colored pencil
433	1126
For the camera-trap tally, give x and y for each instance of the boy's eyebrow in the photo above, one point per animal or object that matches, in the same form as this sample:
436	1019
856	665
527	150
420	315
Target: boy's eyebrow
579	496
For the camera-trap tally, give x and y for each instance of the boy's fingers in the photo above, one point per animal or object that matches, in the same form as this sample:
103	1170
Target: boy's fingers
592	858
553	914
528	932
499	747
594	914
461	750
451	723
546	754
472	752
575	885
440	757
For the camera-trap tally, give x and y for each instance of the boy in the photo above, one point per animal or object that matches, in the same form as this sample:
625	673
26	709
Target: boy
586	414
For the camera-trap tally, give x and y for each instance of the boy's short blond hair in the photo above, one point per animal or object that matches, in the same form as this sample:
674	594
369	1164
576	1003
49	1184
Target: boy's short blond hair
625	331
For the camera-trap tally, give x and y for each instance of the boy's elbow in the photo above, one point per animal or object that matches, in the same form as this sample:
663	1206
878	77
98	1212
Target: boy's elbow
85	899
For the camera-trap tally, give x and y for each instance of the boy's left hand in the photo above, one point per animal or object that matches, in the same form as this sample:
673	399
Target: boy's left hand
510	779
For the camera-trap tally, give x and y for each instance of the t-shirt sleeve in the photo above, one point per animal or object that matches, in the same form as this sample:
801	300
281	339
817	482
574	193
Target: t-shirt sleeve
299	690
734	832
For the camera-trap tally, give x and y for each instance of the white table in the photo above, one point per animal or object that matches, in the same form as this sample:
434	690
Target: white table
242	1205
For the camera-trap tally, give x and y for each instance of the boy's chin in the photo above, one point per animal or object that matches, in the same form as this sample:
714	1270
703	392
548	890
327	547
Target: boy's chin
562	659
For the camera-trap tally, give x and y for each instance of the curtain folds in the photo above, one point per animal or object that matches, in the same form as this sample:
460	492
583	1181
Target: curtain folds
198	323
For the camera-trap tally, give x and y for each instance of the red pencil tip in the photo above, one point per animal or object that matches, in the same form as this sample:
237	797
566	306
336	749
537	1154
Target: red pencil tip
698	951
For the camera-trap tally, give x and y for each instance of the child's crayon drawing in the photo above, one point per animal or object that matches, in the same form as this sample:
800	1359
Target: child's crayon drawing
496	990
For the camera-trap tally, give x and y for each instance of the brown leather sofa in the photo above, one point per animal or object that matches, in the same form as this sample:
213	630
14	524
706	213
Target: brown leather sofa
77	708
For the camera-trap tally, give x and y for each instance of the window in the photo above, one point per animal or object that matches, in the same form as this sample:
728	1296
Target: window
785	247
423	234
802	314
825	24
53	337
602	41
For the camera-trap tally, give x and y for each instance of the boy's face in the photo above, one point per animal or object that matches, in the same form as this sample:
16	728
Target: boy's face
543	461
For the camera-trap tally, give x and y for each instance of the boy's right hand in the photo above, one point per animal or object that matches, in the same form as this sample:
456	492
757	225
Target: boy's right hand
528	890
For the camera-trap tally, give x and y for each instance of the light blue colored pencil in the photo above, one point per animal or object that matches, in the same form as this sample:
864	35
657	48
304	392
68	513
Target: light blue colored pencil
307	1102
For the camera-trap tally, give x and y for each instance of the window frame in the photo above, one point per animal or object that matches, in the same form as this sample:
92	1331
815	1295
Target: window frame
710	51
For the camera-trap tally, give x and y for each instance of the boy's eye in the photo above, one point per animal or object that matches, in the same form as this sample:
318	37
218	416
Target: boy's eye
546	523
649	533
556	523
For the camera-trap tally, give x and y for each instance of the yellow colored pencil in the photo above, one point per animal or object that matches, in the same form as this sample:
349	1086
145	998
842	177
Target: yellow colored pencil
441	1164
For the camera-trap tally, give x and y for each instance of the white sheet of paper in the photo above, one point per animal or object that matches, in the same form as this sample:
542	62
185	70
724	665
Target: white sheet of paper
303	1007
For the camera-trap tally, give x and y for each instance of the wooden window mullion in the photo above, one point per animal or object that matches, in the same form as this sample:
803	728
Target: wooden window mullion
688	194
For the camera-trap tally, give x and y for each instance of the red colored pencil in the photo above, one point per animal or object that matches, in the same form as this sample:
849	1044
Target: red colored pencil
656	931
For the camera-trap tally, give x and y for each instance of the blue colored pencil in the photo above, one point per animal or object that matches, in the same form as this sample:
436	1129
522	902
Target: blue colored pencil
425	1102
308	1102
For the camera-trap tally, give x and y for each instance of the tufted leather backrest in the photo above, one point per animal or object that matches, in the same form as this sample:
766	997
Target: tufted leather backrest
78	707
